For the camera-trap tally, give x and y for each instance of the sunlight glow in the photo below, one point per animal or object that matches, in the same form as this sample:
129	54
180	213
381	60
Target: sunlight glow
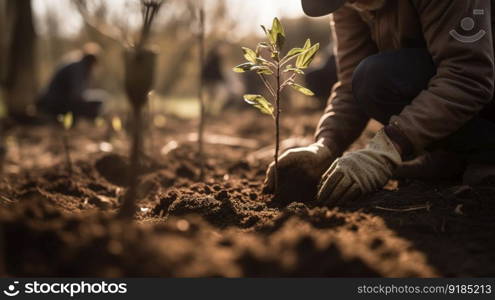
251	13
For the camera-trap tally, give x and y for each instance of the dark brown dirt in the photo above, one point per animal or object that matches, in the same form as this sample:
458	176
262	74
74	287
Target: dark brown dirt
56	225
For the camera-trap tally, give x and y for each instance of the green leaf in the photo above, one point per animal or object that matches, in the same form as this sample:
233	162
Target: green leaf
262	70
275	35
292	54
278	34
268	34
277	27
301	89
294	51
260	103
261	46
249	54
243	67
66	120
307	44
264	29
293	69
261	60
305	58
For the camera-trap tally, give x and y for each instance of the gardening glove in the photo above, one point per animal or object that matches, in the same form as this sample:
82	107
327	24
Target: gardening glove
361	172
300	170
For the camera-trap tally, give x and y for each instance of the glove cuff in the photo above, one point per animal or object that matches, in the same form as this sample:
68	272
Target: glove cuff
384	146
405	145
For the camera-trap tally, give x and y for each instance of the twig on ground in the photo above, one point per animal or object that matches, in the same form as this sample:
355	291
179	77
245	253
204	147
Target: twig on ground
427	207
5	202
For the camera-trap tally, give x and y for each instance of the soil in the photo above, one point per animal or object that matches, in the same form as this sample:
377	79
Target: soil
59	225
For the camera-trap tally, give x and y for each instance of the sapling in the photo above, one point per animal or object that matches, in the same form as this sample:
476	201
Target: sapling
66	122
276	71
202	108
139	76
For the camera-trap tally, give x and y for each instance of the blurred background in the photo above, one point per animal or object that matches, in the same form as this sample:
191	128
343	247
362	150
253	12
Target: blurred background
52	31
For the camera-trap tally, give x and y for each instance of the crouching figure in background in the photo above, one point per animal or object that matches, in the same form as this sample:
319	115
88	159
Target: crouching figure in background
69	89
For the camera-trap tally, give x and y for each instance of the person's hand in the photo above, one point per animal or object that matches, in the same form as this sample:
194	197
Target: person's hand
361	172
299	172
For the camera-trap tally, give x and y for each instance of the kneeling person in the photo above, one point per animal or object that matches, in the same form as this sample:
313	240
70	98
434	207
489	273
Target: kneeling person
411	66
69	89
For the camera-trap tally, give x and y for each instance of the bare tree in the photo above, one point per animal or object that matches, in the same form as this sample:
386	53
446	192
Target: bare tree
140	64
19	80
56	44
3	61
96	25
3	42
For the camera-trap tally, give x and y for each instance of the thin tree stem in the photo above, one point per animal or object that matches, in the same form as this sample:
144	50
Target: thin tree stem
202	108
291	79
286	61
268	85
129	206
150	125
277	126
68	160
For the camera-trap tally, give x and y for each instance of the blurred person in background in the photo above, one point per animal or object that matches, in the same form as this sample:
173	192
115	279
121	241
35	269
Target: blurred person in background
425	70
322	77
222	89
69	89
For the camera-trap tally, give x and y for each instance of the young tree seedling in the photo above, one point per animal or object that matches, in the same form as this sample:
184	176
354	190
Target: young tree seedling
202	108
139	77
67	121
276	71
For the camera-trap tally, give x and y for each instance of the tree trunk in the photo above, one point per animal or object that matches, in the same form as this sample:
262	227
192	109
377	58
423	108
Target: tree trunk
3	42
20	74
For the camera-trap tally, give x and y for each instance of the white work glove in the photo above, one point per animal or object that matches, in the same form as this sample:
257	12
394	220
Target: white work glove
361	172
300	171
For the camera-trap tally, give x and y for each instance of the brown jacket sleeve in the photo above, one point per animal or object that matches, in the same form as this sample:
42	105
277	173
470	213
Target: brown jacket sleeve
464	81
343	120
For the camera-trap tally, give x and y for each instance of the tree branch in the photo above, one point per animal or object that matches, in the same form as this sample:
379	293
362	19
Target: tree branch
268	85
110	32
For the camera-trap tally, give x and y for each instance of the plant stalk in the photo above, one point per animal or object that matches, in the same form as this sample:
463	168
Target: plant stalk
129	206
68	160
202	108
267	85
277	125
149	126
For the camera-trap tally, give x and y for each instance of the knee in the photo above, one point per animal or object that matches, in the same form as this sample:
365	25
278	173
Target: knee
370	80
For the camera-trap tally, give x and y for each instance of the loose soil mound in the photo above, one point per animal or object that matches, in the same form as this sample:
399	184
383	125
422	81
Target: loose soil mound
60	225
